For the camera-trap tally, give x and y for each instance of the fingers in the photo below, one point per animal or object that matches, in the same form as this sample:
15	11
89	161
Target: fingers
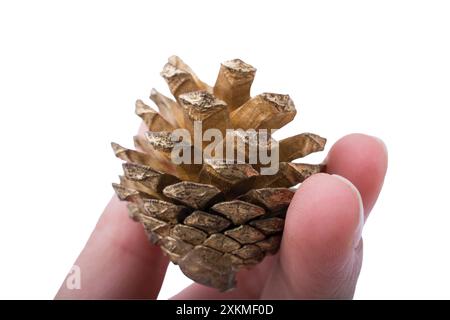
118	262
321	252
361	159
316	260
322	230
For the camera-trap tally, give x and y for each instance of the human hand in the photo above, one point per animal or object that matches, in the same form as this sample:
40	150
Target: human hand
320	255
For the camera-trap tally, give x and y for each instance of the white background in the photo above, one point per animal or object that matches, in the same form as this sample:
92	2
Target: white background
71	71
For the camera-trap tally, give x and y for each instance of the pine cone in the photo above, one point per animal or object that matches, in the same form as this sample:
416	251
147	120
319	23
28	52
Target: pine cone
213	216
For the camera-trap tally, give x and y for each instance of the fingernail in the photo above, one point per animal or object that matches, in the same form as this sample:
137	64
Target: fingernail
359	228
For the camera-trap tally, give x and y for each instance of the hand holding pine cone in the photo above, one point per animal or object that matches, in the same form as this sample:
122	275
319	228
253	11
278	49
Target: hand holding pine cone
215	216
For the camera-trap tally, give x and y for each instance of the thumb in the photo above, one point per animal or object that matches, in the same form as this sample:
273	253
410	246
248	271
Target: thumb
321	251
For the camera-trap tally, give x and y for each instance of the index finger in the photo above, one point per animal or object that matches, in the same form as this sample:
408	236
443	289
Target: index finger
118	261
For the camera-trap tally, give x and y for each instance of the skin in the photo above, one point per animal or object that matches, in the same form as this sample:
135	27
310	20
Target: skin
320	255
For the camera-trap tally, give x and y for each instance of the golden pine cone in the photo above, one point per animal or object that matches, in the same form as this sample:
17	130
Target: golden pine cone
215	216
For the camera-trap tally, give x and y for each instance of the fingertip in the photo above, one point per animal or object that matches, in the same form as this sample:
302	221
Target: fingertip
318	254
323	222
363	160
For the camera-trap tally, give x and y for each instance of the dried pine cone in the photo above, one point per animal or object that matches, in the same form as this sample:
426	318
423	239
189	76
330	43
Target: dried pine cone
213	217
